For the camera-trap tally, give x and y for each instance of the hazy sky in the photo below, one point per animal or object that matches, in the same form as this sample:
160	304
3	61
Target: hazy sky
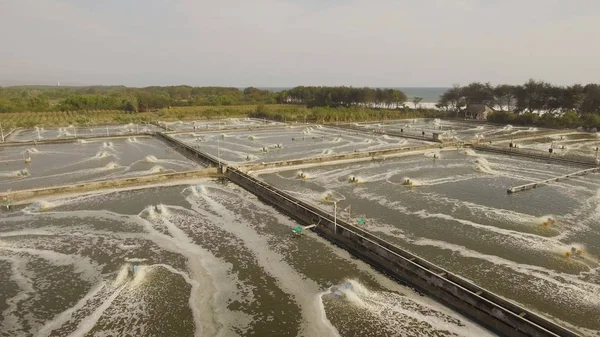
273	43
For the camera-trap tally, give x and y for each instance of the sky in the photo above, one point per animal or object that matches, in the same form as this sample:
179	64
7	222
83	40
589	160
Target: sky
282	43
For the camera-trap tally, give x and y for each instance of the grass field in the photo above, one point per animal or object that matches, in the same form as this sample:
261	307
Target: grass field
97	117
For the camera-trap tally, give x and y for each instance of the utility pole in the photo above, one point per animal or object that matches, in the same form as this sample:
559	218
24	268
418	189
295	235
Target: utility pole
349	210
335	217
219	150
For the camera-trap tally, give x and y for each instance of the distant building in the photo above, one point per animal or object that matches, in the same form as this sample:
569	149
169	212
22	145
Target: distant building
478	111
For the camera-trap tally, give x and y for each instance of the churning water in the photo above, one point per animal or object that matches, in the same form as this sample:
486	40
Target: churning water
61	164
289	143
540	248
211	260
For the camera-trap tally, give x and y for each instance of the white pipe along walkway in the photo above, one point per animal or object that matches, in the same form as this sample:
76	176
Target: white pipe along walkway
546	181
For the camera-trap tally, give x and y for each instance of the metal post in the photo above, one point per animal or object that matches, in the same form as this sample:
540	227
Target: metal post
219	150
335	217
350	213
2	132
75	131
137	130
107	130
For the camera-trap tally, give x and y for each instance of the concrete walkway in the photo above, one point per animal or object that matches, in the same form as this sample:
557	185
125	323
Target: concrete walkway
540	183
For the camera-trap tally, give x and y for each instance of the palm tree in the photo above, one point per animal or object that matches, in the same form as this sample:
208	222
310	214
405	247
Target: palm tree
417	100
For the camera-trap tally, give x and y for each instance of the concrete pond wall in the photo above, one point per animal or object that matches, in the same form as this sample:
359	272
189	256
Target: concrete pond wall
188	151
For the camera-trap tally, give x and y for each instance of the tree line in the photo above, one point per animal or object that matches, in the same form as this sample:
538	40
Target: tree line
47	98
50	98
533	96
301	114
342	97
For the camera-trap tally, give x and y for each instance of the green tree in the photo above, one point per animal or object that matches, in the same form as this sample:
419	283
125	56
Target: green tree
453	99
416	100
130	104
504	96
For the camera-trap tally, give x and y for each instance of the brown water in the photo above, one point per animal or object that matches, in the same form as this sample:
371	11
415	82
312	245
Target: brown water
212	261
457	214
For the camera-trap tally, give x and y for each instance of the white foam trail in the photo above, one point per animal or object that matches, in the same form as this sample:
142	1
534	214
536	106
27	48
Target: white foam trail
111	166
10	321
90	321
518	238
482	165
67	315
15	174
157	169
199	262
123	274
497	214
288	278
102	154
87	269
164	210
26	232
433	154
150	159
402	314
141	273
570	286
324	319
